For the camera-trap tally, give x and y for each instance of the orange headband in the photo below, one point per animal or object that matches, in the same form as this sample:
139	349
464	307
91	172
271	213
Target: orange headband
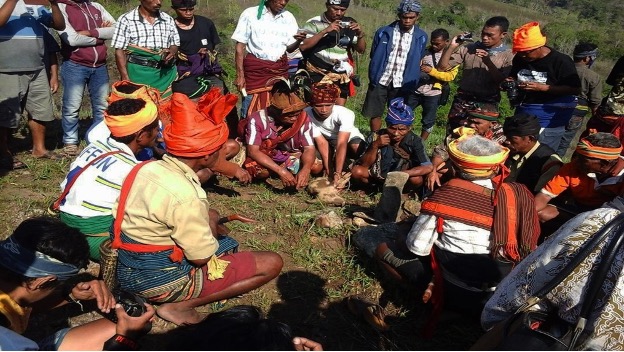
589	150
528	37
125	125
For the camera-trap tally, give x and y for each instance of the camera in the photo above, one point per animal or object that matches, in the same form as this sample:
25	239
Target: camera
513	92
344	24
466	37
133	304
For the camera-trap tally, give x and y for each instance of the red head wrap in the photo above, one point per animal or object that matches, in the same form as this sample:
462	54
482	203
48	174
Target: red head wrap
324	93
198	130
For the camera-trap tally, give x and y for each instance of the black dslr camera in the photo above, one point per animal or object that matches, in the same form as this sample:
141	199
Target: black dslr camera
466	37
133	304
513	92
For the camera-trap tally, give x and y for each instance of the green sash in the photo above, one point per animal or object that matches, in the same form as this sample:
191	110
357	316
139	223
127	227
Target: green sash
159	78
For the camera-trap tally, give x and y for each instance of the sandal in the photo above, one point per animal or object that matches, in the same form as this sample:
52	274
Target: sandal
8	162
71	150
49	155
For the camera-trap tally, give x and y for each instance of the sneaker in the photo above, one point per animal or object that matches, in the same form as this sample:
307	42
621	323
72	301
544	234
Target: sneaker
71	150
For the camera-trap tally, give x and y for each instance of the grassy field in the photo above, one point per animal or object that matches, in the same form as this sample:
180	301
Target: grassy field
321	266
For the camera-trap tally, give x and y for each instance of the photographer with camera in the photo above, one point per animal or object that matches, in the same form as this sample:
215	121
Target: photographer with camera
485	64
547	80
328	48
39	263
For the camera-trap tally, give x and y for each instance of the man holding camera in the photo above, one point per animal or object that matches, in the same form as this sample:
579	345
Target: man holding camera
547	80
328	47
394	68
146	42
485	65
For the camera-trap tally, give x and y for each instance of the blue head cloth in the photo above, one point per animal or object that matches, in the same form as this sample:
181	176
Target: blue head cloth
28	263
409	6
399	113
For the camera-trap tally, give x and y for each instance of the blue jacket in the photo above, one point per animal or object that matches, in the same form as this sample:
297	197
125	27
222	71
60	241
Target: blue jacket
381	49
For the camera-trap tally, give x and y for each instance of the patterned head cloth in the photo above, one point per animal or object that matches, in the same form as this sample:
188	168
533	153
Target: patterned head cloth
589	150
409	6
324	93
287	102
581	54
29	263
399	113
126	125
341	3
476	165
485	111
198	130
528	37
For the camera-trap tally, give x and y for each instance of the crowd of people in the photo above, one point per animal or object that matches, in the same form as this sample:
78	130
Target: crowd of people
491	193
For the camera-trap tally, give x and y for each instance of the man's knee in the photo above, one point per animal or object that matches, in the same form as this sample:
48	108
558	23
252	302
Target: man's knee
268	263
359	173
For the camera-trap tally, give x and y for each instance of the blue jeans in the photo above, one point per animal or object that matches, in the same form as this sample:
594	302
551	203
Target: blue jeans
75	77
429	110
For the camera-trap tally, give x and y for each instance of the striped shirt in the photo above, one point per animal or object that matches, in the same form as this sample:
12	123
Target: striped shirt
97	188
401	43
133	29
261	127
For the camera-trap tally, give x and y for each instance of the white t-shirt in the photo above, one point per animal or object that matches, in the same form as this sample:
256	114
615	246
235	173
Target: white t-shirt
266	38
340	120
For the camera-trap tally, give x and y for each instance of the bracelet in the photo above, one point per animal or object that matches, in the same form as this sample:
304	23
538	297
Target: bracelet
71	299
120	343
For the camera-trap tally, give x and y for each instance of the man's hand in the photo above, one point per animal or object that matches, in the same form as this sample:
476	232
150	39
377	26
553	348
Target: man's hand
303	177
239	82
303	344
333	27
533	86
357	29
425	68
300	36
288	180
383	140
134	327
242	175
85	33
95	289
203	51
54	83
107	24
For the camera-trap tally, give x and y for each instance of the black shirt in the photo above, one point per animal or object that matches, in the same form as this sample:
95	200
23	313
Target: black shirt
202	35
553	69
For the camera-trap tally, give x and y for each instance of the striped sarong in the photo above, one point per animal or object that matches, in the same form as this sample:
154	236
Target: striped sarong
94	227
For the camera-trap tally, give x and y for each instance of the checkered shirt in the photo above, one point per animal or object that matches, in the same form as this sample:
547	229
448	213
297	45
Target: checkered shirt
133	29
401	42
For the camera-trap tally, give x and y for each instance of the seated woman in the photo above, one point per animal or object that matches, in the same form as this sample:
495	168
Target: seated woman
279	140
333	130
395	148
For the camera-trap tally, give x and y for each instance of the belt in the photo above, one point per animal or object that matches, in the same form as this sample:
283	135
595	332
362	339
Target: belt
144	61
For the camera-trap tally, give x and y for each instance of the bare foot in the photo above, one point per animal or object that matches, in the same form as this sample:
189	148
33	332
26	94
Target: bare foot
181	316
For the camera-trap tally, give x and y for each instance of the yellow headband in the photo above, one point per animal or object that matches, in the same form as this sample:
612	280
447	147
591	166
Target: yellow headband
125	125
478	166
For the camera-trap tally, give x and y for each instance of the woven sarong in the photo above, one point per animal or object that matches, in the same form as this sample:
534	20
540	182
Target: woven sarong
258	79
159	78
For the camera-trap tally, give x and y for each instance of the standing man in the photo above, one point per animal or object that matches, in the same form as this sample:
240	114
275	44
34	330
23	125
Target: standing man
197	56
263	35
24	80
547	80
591	94
394	69
146	43
430	90
87	26
328	49
485	65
